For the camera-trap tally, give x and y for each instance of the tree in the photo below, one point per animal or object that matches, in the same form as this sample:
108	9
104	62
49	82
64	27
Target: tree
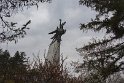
8	30
18	69
98	66
12	67
105	55
115	78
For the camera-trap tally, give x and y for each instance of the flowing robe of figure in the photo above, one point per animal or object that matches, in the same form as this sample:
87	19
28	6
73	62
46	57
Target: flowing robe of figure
53	55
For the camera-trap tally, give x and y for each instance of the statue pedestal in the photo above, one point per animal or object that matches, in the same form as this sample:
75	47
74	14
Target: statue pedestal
53	55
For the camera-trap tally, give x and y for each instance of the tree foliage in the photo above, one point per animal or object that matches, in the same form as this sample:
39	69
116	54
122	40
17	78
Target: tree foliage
18	69
105	56
12	67
8	30
113	24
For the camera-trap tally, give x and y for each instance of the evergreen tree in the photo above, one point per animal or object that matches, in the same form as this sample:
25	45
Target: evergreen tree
105	56
12	67
4	61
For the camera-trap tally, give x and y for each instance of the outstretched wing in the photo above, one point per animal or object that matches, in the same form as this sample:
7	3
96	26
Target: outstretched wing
53	32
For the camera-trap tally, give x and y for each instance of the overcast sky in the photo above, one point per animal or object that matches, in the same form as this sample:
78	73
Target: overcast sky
45	20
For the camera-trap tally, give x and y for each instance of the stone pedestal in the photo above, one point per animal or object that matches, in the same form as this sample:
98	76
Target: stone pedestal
53	55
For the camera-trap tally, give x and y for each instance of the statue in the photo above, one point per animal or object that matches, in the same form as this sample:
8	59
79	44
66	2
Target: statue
53	55
58	32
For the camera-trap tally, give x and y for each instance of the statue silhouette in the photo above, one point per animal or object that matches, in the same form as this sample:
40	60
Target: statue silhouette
58	32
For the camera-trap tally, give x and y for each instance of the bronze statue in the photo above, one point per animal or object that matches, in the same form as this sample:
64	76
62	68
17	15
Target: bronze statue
58	32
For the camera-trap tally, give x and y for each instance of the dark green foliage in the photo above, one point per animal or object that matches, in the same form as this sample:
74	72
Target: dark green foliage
12	67
17	69
18	61
4	60
114	23
100	65
105	56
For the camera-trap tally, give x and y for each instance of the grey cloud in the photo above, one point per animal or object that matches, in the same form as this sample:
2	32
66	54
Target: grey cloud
46	19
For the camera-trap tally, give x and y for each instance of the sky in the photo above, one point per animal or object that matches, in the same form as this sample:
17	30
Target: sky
44	20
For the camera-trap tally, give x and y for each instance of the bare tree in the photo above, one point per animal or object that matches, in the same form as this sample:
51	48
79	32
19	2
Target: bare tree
9	30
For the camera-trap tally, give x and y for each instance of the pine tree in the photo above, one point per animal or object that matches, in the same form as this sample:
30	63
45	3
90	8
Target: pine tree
105	56
12	67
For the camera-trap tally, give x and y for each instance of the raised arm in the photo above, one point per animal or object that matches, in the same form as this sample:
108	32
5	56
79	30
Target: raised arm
60	22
